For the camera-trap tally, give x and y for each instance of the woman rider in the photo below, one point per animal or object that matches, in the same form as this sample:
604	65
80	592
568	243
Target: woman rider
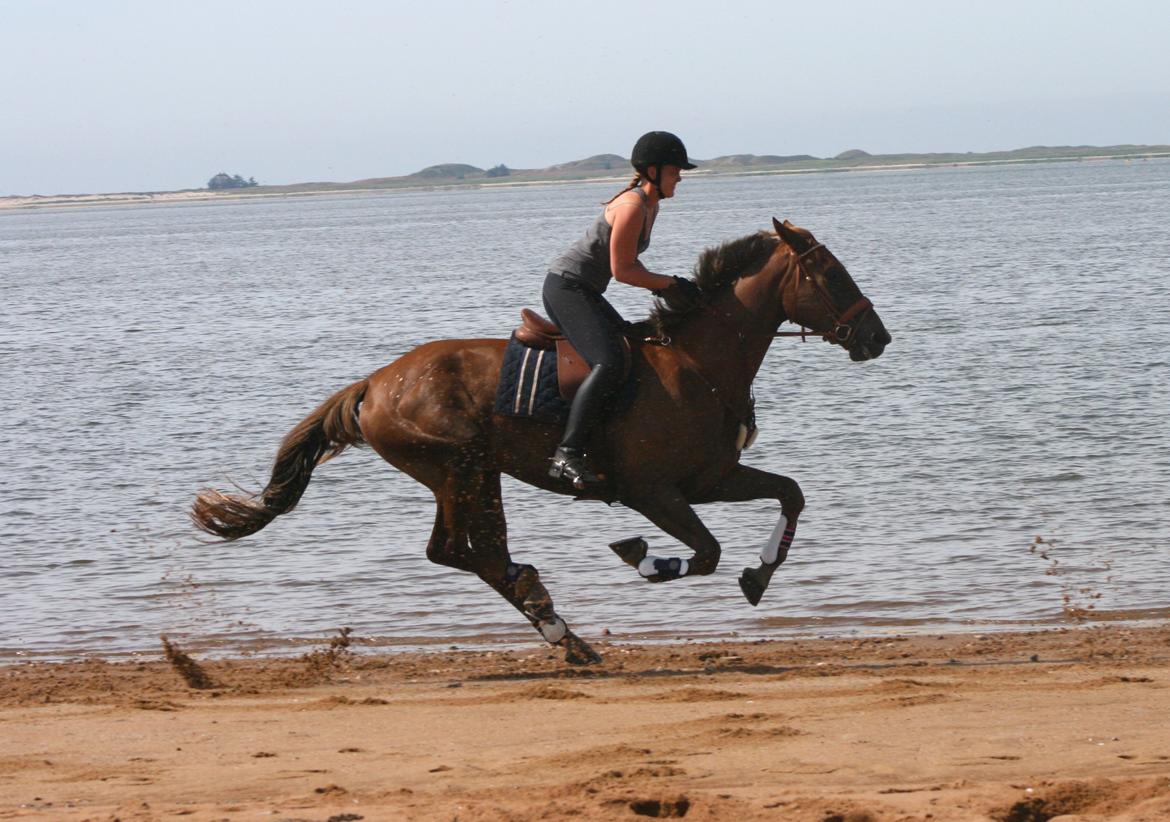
574	288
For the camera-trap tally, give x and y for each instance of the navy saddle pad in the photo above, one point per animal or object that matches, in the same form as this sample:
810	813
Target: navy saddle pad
528	384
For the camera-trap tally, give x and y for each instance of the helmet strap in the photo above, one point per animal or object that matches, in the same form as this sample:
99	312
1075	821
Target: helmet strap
654	180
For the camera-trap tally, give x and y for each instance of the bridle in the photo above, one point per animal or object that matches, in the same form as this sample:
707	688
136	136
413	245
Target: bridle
845	323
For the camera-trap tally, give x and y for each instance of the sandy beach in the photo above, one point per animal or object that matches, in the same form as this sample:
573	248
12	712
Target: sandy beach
1068	724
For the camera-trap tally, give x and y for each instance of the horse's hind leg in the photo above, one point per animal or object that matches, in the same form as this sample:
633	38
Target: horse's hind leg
471	534
519	584
745	483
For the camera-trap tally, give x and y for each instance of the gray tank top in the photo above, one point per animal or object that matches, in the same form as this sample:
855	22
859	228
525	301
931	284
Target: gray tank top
587	260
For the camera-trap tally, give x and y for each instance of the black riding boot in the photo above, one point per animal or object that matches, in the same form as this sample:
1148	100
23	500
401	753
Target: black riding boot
589	404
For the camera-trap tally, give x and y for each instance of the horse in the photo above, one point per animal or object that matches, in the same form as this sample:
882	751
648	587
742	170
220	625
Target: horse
430	414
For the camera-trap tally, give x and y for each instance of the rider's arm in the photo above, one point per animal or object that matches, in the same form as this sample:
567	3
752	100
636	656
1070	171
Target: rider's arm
623	249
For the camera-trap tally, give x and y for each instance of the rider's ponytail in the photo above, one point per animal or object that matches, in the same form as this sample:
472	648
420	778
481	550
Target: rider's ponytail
637	181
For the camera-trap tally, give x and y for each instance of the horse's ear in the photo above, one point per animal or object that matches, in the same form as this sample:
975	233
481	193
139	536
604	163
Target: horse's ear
789	235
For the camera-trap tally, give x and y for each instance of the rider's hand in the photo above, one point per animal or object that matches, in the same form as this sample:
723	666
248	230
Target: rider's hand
681	295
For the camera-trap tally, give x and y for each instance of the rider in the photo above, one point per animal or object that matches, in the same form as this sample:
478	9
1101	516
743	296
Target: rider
574	288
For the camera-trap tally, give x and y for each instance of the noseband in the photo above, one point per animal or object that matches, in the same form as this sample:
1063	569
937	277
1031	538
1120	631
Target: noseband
845	323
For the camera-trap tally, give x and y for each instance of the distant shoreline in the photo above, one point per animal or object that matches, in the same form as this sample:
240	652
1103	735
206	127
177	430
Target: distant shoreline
594	170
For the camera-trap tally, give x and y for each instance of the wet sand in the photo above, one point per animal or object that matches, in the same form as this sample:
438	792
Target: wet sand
1069	723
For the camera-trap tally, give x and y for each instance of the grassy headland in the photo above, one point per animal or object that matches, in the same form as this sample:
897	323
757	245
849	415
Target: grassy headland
608	166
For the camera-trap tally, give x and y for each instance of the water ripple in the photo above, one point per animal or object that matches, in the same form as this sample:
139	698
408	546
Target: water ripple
151	351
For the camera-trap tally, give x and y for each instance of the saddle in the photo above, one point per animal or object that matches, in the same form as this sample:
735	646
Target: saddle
536	332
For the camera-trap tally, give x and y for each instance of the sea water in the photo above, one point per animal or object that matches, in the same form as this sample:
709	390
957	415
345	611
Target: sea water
1005	463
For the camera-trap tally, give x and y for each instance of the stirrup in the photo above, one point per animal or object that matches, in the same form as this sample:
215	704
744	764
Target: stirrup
569	463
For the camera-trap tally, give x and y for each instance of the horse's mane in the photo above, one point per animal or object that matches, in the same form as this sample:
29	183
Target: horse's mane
717	269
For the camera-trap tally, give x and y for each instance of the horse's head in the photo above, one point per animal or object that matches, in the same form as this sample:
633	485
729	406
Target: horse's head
818	293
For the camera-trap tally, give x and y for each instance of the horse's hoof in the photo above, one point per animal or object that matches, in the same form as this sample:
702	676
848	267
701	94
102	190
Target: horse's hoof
578	652
632	550
752	586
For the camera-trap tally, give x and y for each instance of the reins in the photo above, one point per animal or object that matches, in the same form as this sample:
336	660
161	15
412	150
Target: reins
841	333
842	330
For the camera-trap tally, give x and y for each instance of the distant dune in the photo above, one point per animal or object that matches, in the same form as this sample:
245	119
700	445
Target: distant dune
606	166
737	161
447	171
604	163
602	166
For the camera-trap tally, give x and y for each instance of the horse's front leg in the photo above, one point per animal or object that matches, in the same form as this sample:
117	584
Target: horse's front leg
745	483
669	510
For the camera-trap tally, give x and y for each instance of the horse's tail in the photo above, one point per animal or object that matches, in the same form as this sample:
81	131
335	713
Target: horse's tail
319	437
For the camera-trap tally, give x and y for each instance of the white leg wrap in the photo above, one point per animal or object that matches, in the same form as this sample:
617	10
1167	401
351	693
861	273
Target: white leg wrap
552	630
646	566
781	538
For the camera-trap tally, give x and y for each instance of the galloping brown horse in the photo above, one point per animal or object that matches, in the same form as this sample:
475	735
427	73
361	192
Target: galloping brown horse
430	414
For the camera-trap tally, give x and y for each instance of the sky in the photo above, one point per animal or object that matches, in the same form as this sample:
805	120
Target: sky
130	95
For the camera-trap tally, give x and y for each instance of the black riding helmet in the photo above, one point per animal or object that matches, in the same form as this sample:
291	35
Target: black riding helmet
659	148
